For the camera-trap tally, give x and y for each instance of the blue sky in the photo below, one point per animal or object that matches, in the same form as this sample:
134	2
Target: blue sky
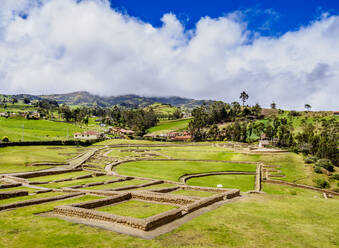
268	17
281	51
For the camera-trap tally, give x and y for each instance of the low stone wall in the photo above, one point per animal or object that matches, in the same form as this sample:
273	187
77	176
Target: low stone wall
165	198
165	190
94	192
15	179
37	201
206	189
43	191
187	205
97	183
44	173
184	178
137	186
100	216
11	194
232	193
302	186
162	218
46	163
103	202
82	177
203	203
12	185
257	184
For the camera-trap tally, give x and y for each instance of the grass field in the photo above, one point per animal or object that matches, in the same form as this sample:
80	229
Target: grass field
173	170
256	221
35	130
242	182
136	209
13	159
282	217
171	125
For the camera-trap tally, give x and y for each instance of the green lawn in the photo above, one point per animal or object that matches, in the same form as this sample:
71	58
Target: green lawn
173	170
13	159
287	190
209	153
58	176
193	193
283	217
266	220
117	185
242	182
136	209
171	125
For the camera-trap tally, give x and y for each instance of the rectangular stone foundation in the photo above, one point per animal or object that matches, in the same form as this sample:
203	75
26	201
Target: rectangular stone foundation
186	205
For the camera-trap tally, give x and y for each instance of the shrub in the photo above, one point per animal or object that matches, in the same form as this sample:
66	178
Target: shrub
325	163
5	139
293	149
317	169
310	159
336	177
322	183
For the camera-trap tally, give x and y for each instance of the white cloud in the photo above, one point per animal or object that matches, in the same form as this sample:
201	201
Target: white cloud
66	46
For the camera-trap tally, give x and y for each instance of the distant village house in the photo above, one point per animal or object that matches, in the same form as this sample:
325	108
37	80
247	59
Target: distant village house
88	135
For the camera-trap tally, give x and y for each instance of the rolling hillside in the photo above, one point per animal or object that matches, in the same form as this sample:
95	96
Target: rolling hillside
87	99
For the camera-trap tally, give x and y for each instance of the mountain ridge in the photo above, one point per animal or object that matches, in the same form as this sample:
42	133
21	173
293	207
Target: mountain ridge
85	98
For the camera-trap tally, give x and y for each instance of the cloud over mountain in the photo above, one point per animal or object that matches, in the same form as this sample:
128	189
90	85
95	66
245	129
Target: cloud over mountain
55	46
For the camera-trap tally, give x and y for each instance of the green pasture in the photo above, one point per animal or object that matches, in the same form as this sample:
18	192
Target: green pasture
35	130
136	209
173	170
170	125
242	182
15	158
17	107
